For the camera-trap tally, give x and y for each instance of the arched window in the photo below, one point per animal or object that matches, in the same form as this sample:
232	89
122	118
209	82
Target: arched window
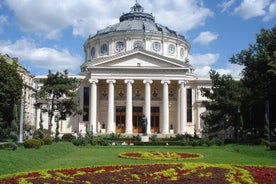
93	52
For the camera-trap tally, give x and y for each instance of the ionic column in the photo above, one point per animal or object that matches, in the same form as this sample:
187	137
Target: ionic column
147	111
110	112
93	104
129	106
165	127
183	109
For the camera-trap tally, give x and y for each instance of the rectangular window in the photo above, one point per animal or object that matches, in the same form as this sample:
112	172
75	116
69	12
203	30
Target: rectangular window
85	103
189	105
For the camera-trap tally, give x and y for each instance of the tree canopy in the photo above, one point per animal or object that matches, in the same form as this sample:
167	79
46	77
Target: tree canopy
223	104
11	85
259	78
57	93
231	102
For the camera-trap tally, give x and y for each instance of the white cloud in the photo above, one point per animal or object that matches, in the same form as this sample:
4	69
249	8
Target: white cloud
232	69
271	12
226	5
180	15
204	38
199	60
203	71
251	8
3	19
203	63
41	57
49	18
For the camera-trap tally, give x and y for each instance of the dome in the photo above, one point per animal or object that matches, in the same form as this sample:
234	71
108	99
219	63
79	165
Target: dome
138	21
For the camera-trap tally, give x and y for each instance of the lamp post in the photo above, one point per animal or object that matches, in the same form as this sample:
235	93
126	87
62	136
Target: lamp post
21	121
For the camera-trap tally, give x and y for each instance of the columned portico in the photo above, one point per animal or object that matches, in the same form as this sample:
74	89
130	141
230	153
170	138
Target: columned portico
182	110
165	126
147	110
110	112
93	105
128	129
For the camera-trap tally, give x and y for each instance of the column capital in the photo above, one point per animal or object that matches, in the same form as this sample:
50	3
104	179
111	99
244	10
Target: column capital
182	82
110	81
147	81
93	81
165	81
129	81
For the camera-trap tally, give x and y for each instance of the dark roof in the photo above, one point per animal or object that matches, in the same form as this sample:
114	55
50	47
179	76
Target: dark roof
138	21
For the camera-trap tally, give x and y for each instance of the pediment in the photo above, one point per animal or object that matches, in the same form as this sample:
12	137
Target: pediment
139	59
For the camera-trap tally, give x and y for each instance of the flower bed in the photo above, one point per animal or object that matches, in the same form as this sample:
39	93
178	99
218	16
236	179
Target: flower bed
157	155
151	173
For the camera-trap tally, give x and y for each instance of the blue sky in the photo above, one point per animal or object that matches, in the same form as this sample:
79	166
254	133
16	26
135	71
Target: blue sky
49	35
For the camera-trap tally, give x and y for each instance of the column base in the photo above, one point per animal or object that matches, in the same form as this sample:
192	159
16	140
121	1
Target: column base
145	138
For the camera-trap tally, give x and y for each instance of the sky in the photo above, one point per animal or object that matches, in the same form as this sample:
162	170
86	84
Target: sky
49	35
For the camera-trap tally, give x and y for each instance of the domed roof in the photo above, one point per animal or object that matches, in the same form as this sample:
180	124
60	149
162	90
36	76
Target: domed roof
138	21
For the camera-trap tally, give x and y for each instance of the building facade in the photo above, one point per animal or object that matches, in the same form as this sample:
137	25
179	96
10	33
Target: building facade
137	67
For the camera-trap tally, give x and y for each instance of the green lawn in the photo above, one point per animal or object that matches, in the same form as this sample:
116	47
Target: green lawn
65	155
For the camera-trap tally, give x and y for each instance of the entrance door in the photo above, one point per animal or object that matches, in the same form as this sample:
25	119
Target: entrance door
120	119
154	121
137	113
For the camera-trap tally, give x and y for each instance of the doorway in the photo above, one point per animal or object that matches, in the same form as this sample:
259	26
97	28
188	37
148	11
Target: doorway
120	119
137	115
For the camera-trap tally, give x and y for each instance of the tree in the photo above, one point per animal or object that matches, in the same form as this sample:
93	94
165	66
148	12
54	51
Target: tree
259	79
11	85
57	93
14	124
223	104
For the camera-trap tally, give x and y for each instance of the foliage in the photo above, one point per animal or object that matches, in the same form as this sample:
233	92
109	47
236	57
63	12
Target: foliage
150	173
8	146
14	125
37	133
222	104
47	141
10	91
158	155
80	141
136	138
40	130
272	146
259	79
67	137
58	93
32	143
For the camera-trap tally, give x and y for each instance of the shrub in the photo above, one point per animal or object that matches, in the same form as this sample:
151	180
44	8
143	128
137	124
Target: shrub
40	133
13	146
153	138
32	143
136	138
80	141
8	146
67	137
216	141
272	146
47	141
101	141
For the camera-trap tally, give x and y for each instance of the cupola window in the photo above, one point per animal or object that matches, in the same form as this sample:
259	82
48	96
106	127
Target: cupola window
182	52
120	46
156	46
138	44
171	49
93	52
104	48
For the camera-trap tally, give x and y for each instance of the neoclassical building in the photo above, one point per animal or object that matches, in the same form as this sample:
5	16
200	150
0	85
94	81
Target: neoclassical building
137	67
